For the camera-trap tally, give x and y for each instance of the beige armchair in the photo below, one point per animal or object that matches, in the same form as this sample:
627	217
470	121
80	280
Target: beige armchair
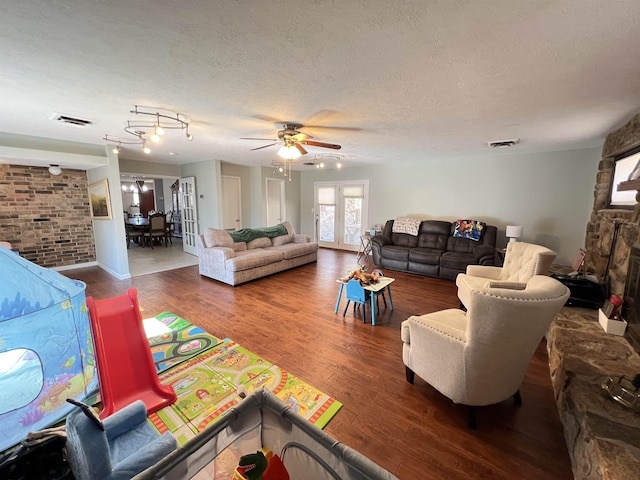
480	357
521	262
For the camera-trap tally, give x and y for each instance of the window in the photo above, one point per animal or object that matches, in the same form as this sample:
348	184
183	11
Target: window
625	168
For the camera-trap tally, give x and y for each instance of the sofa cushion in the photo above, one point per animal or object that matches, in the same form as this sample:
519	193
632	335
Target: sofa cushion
281	240
404	240
252	259
396	252
239	246
457	260
428	256
214	237
434	234
261	242
293	250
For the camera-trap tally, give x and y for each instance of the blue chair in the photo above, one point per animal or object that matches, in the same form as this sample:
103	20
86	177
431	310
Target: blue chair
357	295
117	448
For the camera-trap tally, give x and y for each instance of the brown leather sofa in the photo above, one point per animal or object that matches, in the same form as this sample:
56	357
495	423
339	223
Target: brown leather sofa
435	251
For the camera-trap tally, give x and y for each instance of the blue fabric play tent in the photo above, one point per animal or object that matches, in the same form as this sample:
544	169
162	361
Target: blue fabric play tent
46	349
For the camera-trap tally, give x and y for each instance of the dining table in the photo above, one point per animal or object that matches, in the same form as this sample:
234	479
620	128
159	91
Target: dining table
138	221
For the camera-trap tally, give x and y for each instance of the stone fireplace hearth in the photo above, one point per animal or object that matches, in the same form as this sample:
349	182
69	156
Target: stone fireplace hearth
601	227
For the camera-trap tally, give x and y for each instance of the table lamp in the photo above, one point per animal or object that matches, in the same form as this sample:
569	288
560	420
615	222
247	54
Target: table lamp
514	232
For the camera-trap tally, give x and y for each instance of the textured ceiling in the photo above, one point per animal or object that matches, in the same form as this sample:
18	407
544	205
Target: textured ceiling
407	81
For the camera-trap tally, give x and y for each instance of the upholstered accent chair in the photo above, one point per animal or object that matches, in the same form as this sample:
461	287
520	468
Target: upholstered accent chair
479	357
521	262
117	448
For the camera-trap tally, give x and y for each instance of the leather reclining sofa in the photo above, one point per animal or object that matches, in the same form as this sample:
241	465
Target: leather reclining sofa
436	250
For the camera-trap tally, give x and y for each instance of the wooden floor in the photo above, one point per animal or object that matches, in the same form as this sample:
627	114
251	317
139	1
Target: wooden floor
411	430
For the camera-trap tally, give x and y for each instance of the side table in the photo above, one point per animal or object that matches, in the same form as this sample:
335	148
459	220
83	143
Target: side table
365	246
378	288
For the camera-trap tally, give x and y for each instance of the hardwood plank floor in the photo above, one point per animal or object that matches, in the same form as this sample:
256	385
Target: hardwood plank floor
411	430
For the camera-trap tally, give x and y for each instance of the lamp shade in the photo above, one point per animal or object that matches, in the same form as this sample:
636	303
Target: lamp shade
514	232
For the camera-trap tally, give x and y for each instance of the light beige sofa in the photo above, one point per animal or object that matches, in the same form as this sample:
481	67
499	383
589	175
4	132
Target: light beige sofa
222	259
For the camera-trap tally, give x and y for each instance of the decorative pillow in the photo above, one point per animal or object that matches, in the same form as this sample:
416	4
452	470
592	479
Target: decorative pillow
262	242
214	237
406	225
88	411
471	229
290	230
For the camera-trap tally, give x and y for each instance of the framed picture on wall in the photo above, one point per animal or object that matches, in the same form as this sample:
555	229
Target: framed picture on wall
100	200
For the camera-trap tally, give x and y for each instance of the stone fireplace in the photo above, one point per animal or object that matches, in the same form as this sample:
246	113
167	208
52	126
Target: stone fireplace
602	225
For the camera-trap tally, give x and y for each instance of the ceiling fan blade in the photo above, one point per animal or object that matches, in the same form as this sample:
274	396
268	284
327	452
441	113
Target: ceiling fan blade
264	146
263	139
321	144
300	149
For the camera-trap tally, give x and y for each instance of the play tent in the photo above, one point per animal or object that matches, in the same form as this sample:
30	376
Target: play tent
46	349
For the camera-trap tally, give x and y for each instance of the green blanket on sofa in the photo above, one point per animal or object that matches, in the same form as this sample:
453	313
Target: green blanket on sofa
248	234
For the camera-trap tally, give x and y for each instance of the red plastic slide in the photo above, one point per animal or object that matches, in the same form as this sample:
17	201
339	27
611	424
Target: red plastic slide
125	365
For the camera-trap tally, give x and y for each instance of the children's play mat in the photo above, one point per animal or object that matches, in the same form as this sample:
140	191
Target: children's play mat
211	375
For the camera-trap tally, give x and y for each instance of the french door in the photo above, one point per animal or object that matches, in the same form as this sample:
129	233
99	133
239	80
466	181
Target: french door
341	211
189	215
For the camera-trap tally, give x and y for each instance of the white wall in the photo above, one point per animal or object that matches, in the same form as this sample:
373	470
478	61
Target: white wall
208	179
111	246
550	194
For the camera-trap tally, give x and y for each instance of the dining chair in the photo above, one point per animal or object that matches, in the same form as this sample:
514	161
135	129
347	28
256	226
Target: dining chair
157	229
133	233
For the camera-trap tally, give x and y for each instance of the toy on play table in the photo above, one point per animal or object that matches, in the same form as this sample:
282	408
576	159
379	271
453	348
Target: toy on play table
262	465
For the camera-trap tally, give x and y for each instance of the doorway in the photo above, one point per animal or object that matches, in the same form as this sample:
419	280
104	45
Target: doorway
341	210
275	201
231	203
189	215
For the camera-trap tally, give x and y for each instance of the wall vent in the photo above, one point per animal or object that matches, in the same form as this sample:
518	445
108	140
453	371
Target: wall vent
72	121
503	143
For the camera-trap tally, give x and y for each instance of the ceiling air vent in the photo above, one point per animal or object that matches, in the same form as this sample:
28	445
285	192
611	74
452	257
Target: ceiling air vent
309	164
504	143
72	121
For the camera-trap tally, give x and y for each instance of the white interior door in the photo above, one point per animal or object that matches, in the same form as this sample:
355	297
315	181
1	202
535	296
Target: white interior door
189	215
275	201
231	203
341	210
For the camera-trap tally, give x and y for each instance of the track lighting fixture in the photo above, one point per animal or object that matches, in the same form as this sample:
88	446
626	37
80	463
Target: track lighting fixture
116	149
154	128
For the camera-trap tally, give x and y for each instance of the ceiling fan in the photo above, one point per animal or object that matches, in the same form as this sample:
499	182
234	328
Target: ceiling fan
292	140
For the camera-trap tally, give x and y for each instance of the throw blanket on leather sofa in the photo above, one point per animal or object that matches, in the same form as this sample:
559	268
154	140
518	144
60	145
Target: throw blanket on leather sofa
407	225
248	234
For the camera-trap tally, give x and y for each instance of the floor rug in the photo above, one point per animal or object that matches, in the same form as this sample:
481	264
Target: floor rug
174	340
210	380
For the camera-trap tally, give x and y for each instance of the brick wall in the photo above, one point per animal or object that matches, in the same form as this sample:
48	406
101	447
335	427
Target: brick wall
46	218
